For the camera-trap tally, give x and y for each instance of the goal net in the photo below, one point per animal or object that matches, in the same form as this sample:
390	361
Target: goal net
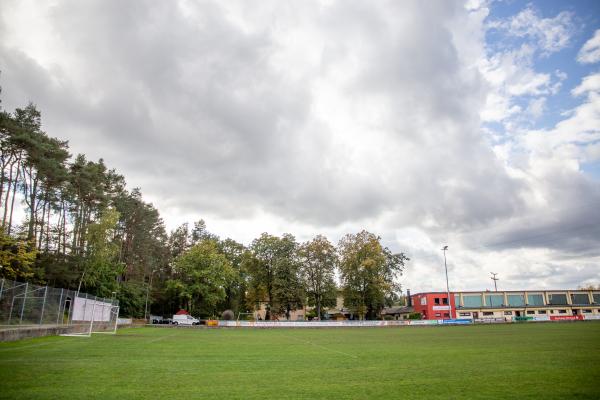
246	316
92	314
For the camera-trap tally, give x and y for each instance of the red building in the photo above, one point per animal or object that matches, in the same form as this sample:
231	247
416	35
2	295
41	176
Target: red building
433	305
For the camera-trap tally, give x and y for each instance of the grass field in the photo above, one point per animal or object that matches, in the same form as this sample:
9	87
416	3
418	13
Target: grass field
519	361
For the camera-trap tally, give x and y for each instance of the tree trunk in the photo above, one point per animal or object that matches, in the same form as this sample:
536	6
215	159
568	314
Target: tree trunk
6	197
42	222
318	307
14	192
32	209
47	247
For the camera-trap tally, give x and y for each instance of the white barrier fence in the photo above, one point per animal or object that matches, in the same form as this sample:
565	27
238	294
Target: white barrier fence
341	324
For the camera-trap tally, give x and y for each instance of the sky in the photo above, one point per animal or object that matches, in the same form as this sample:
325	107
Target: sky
470	124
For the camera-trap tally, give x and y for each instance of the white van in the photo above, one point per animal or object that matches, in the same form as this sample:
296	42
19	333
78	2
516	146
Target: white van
185	320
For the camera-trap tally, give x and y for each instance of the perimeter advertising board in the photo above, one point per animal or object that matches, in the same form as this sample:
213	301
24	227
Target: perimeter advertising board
566	317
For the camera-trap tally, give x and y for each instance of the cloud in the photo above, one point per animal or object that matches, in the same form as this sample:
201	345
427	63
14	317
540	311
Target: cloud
321	117
318	117
549	34
590	52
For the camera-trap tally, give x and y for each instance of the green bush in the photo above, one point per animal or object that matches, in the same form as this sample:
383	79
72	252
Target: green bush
415	315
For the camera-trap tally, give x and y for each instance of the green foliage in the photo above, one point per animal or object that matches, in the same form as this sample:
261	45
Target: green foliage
274	272
318	260
81	224
235	293
102	268
368	271
203	274
16	258
132	299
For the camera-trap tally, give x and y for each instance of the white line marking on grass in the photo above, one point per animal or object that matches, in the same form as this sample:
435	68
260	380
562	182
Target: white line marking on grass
323	347
161	338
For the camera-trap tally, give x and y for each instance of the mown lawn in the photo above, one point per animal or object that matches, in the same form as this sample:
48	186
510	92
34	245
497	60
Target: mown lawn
519	361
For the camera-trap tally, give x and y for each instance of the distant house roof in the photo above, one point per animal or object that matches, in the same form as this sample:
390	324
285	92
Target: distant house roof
182	312
397	310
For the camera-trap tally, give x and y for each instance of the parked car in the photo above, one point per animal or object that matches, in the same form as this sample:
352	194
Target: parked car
185	320
159	320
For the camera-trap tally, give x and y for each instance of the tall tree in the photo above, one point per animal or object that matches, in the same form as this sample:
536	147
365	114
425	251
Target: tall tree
235	293
318	259
102	267
288	288
274	273
204	274
367	272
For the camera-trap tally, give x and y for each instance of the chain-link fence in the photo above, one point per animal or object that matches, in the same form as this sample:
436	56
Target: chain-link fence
29	304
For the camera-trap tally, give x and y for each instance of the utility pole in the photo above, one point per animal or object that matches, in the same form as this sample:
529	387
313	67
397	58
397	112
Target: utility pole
447	285
495	279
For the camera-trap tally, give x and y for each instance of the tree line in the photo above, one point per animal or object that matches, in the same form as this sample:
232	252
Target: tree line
71	222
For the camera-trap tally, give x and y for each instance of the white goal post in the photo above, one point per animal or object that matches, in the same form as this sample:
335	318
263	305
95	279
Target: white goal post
93	315
253	314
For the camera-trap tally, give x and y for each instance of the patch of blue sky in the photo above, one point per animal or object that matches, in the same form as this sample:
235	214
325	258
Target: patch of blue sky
591	169
585	20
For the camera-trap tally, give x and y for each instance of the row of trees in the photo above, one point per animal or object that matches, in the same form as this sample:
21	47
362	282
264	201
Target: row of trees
211	275
70	222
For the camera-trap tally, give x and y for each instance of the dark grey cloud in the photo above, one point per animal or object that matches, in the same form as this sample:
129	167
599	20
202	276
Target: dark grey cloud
192	94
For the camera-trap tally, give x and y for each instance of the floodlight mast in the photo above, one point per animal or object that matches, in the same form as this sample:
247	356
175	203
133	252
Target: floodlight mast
495	280
447	285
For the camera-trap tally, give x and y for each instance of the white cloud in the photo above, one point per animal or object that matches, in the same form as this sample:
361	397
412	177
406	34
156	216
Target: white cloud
589	85
549	34
590	52
311	118
510	71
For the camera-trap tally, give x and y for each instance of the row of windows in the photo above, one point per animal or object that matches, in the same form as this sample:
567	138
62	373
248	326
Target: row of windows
529	312
518	300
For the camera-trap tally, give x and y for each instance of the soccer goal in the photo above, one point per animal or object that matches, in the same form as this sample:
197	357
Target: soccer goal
246	316
93	315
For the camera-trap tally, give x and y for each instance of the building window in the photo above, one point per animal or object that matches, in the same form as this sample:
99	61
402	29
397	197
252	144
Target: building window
515	300
586	311
494	300
507	312
488	313
541	311
465	314
535	299
562	311
457	300
530	312
596	298
445	300
436	300
446	315
438	314
472	300
423	301
580	298
557	299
